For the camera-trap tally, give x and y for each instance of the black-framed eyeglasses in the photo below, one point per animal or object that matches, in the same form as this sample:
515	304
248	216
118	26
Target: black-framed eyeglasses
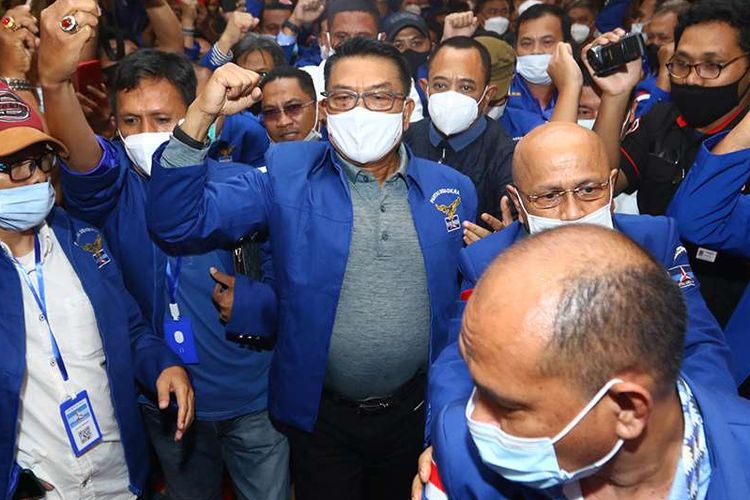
375	100
706	70
23	169
589	191
293	111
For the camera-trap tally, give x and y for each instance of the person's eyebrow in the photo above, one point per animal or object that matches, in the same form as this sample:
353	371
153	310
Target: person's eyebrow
498	399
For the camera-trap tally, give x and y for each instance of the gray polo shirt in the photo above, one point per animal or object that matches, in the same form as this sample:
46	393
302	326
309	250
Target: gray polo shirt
382	327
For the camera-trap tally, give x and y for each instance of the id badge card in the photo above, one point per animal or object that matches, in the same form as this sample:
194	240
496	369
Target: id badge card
179	336
80	423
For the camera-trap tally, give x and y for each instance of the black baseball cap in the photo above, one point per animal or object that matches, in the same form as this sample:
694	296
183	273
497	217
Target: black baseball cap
403	19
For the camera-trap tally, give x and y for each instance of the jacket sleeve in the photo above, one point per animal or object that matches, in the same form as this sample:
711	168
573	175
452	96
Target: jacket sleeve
254	309
183	207
707	357
448	378
709	206
92	197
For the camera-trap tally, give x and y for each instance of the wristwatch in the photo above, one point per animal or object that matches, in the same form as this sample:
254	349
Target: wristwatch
292	27
182	136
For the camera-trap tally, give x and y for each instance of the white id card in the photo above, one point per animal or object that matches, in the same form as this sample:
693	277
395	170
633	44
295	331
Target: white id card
80	423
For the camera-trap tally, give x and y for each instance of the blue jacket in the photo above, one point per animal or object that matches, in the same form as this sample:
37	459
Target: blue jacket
524	113
707	357
305	204
134	354
726	419
712	212
113	198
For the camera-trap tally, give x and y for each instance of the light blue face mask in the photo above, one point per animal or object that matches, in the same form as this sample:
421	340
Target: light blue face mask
212	132
25	207
532	461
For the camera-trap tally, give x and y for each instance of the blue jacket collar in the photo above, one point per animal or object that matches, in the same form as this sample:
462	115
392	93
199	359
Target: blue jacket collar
461	140
326	155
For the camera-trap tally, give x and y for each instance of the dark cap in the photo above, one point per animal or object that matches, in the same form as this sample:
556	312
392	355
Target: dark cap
400	20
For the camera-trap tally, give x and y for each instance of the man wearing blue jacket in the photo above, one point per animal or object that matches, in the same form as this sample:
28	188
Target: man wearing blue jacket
365	240
712	210
571	159
76	350
575	360
106	184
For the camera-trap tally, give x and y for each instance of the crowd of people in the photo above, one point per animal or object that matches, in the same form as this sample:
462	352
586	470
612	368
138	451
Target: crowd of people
375	249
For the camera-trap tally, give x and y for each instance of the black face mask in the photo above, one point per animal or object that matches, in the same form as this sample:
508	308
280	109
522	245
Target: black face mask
415	60
701	106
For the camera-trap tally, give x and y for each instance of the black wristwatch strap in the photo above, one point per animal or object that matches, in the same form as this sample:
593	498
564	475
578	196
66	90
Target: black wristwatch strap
181	136
293	27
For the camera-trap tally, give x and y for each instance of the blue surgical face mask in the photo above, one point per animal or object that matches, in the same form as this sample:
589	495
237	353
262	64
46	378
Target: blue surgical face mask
533	461
26	207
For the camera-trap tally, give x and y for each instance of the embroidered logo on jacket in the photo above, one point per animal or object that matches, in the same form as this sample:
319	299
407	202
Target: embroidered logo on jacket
91	241
452	221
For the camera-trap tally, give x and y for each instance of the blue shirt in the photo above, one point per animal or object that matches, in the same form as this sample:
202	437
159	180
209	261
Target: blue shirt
462	139
229	380
524	113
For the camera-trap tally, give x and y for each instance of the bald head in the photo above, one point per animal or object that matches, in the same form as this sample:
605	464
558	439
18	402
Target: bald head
557	145
579	301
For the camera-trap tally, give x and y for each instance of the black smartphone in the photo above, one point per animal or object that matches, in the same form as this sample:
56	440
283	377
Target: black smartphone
29	487
606	59
228	5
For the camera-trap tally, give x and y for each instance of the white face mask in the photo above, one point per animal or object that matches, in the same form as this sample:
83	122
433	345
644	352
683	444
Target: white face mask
453	112
140	148
579	32
365	136
313	135
533	461
497	24
636	28
327	51
601	217
587	123
495	112
414	9
526	5
533	68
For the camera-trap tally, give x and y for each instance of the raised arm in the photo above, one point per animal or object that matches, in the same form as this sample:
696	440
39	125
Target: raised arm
616	91
709	205
59	54
568	80
182	205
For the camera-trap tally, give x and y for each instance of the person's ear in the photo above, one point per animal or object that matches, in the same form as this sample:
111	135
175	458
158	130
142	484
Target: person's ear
635	404
515	198
408	110
424	84
489	96
321	113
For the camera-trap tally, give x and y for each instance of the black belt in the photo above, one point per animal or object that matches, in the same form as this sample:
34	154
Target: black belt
371	406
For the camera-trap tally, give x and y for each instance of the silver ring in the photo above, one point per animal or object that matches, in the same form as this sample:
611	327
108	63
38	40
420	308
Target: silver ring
69	24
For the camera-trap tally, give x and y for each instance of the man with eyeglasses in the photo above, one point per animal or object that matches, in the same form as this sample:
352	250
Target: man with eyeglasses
289	109
348	19
561	177
710	94
106	183
76	349
365	240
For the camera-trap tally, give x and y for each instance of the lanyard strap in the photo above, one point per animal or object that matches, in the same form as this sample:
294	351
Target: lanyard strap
173	284
39	297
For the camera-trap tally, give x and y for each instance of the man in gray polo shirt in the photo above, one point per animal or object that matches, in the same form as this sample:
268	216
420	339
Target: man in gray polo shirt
365	240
